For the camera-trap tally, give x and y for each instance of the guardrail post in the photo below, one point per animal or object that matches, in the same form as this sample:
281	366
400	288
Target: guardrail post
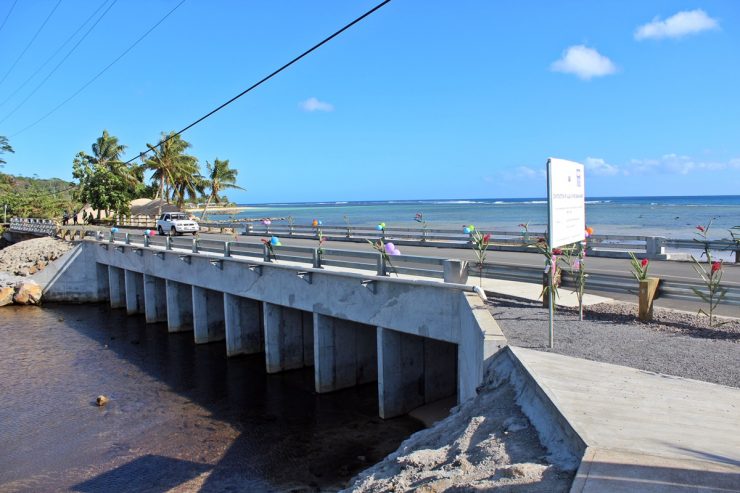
316	257
128	239
266	253
655	247
112	237
168	243
146	240
227	249
455	271
381	265
194	249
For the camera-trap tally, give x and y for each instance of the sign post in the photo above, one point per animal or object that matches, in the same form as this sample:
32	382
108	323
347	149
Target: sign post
566	216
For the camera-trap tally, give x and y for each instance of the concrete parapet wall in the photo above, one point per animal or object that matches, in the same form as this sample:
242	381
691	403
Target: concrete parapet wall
308	317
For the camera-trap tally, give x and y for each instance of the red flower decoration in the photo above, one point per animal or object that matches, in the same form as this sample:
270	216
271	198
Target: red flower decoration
644	263
716	266
486	237
557	251
700	228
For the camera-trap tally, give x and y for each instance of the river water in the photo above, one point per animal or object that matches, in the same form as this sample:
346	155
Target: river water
181	417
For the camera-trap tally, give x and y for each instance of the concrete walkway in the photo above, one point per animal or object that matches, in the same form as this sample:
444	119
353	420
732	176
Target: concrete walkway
638	431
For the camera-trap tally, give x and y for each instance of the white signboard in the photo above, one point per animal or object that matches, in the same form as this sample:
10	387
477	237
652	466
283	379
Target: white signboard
566	209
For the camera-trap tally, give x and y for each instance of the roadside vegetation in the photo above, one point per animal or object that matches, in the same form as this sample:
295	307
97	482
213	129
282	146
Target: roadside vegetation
108	183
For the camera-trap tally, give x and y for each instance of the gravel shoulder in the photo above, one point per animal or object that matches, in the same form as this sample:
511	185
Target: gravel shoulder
675	343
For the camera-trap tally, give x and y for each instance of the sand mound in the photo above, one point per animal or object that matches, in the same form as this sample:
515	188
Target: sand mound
486	443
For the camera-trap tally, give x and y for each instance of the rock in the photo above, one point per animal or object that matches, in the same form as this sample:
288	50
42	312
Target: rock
27	293
101	400
6	295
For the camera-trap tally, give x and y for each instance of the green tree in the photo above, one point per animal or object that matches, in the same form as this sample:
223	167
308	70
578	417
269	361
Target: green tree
4	147
174	171
105	182
220	177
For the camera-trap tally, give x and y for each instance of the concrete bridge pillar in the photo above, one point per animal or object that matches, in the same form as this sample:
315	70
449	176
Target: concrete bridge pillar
116	287
134	282
179	306
345	353
413	371
155	299
208	315
288	338
243	321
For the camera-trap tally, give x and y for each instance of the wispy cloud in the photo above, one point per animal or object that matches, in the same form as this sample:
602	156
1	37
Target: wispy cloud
313	104
599	166
527	172
678	25
584	62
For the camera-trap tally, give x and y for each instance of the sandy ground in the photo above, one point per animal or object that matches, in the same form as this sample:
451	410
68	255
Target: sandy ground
485	444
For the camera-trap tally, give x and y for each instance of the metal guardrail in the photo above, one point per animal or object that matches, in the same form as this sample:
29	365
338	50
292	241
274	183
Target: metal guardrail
412	265
45	227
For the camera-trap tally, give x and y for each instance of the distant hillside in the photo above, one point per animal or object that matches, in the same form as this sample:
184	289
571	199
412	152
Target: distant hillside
35	197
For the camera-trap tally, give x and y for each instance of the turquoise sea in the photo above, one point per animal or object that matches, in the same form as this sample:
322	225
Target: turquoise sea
672	217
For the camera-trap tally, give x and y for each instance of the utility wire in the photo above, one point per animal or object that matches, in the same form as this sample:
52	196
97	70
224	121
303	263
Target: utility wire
264	79
18	106
8	15
61	47
125	52
30	42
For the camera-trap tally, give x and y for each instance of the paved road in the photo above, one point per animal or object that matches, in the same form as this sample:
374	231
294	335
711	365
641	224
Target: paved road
666	269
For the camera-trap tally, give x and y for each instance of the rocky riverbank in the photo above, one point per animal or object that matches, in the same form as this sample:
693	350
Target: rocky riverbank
21	260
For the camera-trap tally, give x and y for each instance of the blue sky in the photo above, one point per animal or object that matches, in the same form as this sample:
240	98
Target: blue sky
432	99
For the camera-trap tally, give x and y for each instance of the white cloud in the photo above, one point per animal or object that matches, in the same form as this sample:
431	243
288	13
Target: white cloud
313	104
527	172
682	165
677	25
599	166
583	62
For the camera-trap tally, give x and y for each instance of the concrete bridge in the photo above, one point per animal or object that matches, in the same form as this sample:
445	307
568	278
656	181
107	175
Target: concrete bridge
421	340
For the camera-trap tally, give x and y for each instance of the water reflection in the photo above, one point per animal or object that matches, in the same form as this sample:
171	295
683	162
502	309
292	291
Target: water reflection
180	415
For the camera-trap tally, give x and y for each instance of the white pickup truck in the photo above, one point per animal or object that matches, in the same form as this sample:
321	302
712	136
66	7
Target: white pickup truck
176	223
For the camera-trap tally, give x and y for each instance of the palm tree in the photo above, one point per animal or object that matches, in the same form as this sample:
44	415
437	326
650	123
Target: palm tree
172	167
4	147
220	177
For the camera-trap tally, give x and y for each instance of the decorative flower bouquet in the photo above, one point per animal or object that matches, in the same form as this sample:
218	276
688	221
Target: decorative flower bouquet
270	246
639	267
386	250
480	242
316	224
419	218
713	281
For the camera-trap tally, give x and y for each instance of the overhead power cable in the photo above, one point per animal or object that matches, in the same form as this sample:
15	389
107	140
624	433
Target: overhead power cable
7	15
61	47
29	95
264	79
96	76
30	42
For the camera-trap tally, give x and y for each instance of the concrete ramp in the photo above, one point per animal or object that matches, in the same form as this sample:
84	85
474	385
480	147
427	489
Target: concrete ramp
634	430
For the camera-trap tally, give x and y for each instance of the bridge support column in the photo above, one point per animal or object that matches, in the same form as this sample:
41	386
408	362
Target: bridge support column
413	371
116	287
243	322
179	306
288	338
345	353
155	299
103	281
134	292
208	315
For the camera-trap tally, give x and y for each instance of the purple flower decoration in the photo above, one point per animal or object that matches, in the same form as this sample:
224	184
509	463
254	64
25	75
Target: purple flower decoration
391	249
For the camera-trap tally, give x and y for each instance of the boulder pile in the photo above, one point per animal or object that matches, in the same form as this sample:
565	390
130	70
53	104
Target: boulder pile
25	258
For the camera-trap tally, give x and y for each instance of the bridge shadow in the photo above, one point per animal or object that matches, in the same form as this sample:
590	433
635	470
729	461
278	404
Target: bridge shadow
277	433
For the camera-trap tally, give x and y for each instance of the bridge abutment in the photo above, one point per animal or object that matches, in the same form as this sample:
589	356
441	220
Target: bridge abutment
243	323
116	287
288	338
345	353
179	306
208	315
134	283
155	299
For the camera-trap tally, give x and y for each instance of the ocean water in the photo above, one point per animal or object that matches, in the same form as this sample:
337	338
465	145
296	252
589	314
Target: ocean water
672	217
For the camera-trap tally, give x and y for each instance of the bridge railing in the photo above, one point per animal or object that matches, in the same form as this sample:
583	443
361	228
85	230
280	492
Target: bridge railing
42	227
422	266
